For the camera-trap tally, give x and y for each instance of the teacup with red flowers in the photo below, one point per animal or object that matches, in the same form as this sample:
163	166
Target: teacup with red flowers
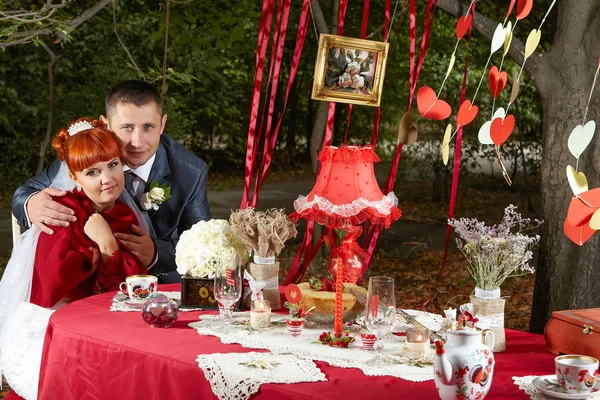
139	287
576	373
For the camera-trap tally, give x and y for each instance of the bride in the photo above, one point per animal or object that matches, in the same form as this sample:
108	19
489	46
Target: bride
46	272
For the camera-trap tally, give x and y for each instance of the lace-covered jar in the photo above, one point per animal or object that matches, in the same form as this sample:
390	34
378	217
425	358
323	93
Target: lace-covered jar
159	311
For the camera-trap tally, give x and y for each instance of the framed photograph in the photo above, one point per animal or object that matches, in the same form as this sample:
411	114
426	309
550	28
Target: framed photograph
349	70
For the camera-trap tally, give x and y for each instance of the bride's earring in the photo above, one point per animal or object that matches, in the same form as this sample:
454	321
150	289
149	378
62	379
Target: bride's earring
79	188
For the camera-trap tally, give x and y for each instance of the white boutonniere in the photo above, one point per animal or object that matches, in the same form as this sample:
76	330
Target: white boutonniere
156	195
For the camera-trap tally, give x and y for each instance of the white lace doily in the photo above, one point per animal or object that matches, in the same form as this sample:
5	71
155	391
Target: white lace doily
525	383
118	302
237	376
306	346
432	322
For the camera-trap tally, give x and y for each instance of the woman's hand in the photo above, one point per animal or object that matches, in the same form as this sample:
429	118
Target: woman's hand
98	230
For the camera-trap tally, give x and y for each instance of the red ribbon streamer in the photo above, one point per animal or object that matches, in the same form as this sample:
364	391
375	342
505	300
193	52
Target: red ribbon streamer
263	35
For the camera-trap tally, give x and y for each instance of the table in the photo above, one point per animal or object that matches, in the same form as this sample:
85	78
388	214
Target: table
92	353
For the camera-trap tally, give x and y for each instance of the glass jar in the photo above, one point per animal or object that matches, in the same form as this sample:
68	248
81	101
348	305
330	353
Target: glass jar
159	311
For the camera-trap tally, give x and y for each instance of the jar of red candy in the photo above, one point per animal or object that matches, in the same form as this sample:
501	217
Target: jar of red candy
159	311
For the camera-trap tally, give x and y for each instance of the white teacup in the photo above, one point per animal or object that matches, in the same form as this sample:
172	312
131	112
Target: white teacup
576	373
139	287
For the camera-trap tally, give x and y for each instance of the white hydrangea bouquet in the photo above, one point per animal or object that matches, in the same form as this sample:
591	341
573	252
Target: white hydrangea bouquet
207	248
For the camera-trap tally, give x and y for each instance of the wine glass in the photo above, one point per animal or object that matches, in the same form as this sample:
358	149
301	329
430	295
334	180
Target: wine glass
380	316
228	289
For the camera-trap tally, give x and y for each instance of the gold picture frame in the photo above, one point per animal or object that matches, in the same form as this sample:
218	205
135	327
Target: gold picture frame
349	70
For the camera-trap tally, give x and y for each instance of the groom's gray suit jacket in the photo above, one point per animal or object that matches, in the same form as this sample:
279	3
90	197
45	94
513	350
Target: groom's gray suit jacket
174	165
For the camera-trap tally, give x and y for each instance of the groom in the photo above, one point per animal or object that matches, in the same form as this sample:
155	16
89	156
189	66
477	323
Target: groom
134	114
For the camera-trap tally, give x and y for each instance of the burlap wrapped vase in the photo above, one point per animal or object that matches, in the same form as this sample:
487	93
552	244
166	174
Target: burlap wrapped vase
264	278
489	309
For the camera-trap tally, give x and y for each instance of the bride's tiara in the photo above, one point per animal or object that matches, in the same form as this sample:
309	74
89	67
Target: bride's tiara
78	127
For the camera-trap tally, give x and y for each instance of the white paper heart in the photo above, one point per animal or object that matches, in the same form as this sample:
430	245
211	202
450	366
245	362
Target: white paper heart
533	40
577	181
595	220
484	132
498	38
507	38
446	144
580	138
451	64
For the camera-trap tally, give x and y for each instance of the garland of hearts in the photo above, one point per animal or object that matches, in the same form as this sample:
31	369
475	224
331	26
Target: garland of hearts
583	215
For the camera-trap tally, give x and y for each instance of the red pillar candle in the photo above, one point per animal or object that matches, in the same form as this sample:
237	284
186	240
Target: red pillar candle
338	324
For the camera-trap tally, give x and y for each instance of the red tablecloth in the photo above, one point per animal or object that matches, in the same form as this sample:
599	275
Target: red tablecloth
92	353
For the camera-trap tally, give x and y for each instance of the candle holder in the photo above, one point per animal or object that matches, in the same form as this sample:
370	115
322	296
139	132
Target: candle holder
417	340
260	314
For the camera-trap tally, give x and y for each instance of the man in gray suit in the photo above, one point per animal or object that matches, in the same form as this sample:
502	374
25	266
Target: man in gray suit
134	114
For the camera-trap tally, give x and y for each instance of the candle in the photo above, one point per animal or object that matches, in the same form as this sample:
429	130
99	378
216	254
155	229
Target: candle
260	314
417	340
338	323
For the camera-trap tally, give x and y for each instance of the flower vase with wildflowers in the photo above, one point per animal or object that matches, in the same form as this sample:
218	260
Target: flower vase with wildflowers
496	252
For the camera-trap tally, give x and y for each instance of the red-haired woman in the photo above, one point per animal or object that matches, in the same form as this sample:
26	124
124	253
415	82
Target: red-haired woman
46	272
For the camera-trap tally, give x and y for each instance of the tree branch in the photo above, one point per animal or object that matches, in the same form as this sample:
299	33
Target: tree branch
486	27
319	18
27	36
121	42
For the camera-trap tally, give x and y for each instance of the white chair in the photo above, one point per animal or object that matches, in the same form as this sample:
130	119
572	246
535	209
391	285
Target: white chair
16	231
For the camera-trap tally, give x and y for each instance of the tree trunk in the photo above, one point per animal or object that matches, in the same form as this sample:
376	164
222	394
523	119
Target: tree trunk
44	143
568	276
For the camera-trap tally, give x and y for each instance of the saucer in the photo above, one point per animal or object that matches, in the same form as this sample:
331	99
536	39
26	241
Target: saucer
134	303
550	387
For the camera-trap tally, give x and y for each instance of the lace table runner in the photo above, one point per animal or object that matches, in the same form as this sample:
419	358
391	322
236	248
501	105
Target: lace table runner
278	341
237	376
525	383
118	302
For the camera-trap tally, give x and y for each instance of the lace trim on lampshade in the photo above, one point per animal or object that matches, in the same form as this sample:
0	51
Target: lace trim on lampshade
353	154
382	212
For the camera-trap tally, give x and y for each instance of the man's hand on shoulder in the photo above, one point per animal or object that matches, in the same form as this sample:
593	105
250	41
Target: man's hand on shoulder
44	212
140	244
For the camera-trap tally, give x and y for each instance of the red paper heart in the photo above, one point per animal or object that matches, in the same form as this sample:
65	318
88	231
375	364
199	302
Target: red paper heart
462	25
501	129
466	113
510	7
497	81
580	212
578	234
524	8
430	107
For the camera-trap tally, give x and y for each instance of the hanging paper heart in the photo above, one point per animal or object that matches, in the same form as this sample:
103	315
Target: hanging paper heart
484	132
523	8
507	37
462	25
430	106
515	88
583	206
532	42
446	144
510	7
577	180
497	81
580	138
578	234
466	113
498	38
407	133
595	220
501	129
451	63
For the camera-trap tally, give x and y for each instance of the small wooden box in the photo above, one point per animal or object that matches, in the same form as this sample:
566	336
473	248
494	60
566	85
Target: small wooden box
574	332
200	292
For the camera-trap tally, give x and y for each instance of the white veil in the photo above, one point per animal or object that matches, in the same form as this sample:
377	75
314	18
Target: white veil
15	289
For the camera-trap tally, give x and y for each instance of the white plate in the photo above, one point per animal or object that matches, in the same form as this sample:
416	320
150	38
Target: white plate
550	387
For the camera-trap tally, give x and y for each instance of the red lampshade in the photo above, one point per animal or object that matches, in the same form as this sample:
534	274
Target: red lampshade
346	191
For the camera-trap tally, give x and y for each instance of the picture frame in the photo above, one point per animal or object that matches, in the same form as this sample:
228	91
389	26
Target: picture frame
349	70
